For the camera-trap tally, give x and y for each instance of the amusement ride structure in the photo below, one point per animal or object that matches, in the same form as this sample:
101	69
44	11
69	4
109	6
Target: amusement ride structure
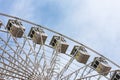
29	51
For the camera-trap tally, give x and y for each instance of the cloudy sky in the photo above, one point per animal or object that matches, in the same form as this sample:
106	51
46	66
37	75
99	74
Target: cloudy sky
95	23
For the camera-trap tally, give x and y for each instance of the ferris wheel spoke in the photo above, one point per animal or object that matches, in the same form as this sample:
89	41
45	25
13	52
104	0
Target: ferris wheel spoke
26	53
65	68
7	43
15	69
11	63
15	53
95	76
20	67
98	76
84	70
12	76
32	48
53	63
13	72
30	57
75	72
41	56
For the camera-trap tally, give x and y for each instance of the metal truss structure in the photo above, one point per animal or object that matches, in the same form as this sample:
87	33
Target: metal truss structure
36	52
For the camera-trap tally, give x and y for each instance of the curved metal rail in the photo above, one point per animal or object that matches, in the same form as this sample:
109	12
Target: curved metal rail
61	35
29	71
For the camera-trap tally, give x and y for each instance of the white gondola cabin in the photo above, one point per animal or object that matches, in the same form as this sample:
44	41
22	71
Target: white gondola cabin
101	65
59	43
80	54
116	75
15	27
37	35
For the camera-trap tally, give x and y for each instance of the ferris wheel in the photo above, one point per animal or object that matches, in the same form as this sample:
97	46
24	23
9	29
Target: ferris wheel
29	51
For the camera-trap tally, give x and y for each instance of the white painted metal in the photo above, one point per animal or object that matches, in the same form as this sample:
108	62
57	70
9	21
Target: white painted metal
24	59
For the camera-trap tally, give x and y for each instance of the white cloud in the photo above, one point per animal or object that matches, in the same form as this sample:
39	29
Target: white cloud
22	8
94	22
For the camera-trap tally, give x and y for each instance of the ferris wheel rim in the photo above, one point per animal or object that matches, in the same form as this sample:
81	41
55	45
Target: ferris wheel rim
29	22
66	67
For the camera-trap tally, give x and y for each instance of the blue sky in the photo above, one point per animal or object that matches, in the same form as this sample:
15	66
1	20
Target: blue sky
95	23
